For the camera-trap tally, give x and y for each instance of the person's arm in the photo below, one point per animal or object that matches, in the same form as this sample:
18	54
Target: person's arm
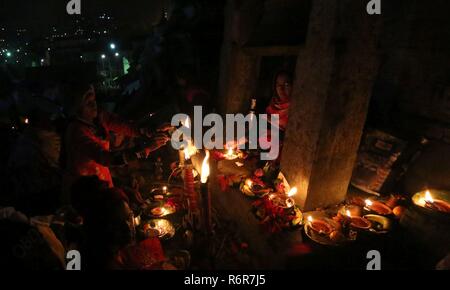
91	146
114	123
86	143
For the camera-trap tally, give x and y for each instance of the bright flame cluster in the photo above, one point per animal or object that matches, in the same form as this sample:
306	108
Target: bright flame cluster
205	168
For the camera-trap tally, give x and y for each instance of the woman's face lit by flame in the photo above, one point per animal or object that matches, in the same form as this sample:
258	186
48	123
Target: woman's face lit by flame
283	86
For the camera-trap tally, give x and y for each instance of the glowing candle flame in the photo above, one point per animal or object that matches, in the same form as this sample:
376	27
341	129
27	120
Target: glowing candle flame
292	192
310	219
249	183
348	213
368	202
230	152
26	121
205	168
164	189
428	197
190	150
186	152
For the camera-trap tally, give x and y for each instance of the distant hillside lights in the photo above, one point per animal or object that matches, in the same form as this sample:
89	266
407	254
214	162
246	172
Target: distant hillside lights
74	7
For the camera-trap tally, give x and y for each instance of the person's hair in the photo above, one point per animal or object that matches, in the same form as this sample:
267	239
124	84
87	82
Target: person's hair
104	228
105	206
283	72
187	73
73	93
85	192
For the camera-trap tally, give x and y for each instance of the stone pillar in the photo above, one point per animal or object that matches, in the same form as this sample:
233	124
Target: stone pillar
238	70
334	77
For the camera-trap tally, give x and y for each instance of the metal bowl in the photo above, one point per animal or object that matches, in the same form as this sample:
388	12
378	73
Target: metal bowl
380	224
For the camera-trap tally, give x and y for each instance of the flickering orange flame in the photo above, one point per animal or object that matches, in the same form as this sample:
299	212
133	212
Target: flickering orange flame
205	168
428	197
292	192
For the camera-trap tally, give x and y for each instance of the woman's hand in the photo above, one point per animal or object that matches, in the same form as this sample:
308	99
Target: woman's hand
157	142
166	127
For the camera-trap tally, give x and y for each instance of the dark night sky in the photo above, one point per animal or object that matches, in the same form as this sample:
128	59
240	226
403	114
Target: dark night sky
40	15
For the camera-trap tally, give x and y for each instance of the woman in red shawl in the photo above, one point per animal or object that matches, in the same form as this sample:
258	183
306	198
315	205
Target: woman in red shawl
87	140
279	104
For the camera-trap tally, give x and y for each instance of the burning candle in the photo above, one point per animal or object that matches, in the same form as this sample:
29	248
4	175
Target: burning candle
358	222
292	192
249	183
137	221
290	202
230	155
189	149
435	204
378	207
319	226
181	157
353	209
205	169
206	196
164	189
428	197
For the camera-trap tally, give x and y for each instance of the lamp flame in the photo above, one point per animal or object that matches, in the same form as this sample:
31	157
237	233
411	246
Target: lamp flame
292	192
348	213
190	150
310	219
205	168
368	202
428	197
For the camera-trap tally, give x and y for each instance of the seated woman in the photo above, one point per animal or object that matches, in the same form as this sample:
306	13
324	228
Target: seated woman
33	166
88	142
279	104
